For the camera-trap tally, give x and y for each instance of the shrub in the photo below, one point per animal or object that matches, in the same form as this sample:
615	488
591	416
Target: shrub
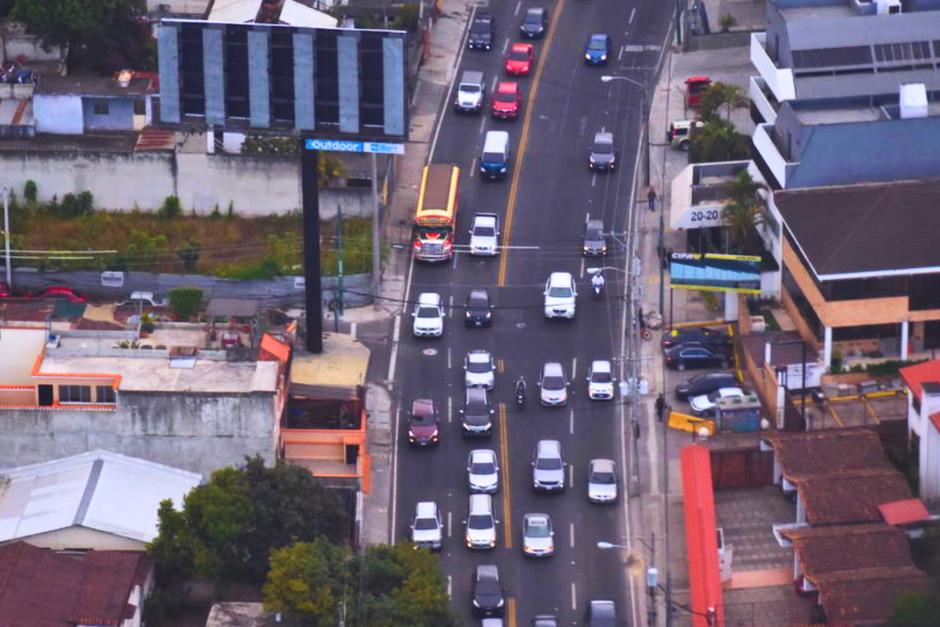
171	208
30	192
189	254
73	206
185	302
727	22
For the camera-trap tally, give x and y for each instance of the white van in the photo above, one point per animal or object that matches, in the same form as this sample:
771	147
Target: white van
494	162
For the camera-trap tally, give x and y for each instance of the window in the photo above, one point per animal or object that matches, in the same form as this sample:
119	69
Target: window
282	76
372	87
101	107
74	393
235	68
904	51
104	394
192	76
327	96
140	107
831	57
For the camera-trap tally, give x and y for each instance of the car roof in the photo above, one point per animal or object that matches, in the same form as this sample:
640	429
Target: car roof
537	518
422	407
735	391
476	394
600	365
429	298
487	570
482	455
553	369
479	292
560	278
535	11
507	87
521	45
603	137
426	509
481	504
604	605
479	355
599	36
602	465
548	448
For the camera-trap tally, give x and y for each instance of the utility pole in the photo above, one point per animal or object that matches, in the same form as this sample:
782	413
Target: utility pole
376	249
340	304
6	235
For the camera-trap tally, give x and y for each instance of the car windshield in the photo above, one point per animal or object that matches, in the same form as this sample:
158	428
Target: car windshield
602	148
477	303
469	88
505	97
423	524
553	383
603	477
533	18
593	233
559	292
422	421
479	366
538	528
493	157
601	377
480	521
482	468
518	55
476	409
480	28
428	312
548	463
597	43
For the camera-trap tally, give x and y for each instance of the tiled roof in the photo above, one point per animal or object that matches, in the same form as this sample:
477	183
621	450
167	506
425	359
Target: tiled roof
827	451
823	550
850	497
918	374
43	588
866	597
904	512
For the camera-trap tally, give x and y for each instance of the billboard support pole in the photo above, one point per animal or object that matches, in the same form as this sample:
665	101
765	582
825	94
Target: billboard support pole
376	251
309	175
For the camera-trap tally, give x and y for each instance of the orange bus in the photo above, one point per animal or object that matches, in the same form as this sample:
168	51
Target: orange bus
436	213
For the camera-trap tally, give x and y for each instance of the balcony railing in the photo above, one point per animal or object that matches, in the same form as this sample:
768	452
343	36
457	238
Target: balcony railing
780	81
771	155
756	90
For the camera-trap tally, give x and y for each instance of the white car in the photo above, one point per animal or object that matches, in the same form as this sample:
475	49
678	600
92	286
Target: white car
537	535
428	316
705	404
602	481
553	386
481	524
600	381
426	528
482	471
479	370
560	295
484	235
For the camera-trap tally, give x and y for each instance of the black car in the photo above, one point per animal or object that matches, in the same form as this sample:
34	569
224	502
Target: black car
695	355
705	383
479	310
488	599
477	414
534	23
595	242
700	335
481	31
601	613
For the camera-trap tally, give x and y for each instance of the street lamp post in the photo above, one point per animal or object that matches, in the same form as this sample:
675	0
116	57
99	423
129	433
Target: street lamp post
6	234
652	573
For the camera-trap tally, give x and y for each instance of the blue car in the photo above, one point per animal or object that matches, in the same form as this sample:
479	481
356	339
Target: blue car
597	50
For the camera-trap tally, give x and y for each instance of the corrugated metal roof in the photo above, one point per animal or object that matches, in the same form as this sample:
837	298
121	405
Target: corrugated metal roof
237	11
99	490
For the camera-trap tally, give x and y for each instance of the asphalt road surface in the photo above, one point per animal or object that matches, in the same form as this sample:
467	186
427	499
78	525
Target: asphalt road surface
543	204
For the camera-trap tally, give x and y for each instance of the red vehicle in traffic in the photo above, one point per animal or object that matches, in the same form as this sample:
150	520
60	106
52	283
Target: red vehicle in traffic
60	292
422	424
695	87
506	101
519	60
5	290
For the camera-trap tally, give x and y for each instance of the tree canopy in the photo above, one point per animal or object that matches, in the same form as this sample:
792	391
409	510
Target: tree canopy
104	35
314	583
915	609
743	213
229	525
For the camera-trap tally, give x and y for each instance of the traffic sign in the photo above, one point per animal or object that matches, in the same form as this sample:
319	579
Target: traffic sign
342	145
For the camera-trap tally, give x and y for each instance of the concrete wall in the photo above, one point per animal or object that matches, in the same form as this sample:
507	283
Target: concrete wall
77	537
120	115
198	433
123	180
58	114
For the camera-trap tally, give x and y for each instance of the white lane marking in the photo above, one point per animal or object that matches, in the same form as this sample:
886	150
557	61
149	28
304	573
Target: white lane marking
450	306
473	168
449	525
450	409
493	83
571	527
391	531
620	54
571	423
352	328
581	276
571	475
482	124
450	363
632	15
505	45
450	587
574	368
454	265
587	217
574	597
593	179
518	6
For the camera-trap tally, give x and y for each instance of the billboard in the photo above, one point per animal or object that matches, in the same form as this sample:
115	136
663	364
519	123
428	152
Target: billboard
715	272
331	82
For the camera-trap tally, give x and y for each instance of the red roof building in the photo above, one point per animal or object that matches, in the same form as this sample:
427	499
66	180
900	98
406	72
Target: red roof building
44	588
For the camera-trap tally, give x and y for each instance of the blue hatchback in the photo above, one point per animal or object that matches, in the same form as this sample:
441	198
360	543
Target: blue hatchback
597	49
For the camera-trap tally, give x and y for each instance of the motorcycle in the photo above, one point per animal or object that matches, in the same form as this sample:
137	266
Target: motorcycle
520	393
597	283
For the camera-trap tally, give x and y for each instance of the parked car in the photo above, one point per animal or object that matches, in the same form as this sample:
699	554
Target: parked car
694	355
423	426
143	299
534	23
427	530
548	467
478	311
520	59
602	481
479	370
507	100
488	596
704	405
695	87
700	335
60	292
679	133
705	383
597	49
482	471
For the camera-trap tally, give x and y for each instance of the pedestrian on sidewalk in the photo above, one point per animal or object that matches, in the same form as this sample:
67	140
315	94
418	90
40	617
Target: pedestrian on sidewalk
660	406
651	197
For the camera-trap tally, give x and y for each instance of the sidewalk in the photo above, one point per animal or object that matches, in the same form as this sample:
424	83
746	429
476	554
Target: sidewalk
379	320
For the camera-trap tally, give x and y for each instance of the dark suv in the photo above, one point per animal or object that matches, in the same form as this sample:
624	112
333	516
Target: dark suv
534	23
487	591
595	242
422	424
705	383
481	31
479	311
477	414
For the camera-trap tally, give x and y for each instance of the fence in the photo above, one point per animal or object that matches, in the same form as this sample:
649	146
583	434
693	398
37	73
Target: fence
280	290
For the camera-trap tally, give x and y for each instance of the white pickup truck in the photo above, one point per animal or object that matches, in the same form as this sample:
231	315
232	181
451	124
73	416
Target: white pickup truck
484	236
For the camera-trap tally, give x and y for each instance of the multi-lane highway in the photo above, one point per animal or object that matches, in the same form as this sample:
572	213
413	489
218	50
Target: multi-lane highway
543	204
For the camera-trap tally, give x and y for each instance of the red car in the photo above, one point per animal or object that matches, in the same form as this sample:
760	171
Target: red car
506	100
422	424
5	290
60	292
519	60
695	87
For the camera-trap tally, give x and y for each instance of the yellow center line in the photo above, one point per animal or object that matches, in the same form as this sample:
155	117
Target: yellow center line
511	611
523	140
504	467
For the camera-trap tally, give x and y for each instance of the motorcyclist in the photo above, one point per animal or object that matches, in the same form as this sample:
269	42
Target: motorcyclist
520	389
597	282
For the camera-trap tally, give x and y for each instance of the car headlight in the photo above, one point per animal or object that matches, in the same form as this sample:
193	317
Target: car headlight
500	604
603	57
587	55
476	603
434	435
502	169
489	314
591	159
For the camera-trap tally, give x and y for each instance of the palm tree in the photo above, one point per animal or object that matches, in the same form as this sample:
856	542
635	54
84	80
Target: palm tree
743	213
720	95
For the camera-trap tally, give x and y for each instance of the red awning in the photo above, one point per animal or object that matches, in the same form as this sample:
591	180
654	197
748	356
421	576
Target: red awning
701	536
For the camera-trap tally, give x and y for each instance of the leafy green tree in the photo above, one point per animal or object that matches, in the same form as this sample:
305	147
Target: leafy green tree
145	250
171	208
185	302
188	253
104	35
720	96
308	580
915	609
743	213
718	140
